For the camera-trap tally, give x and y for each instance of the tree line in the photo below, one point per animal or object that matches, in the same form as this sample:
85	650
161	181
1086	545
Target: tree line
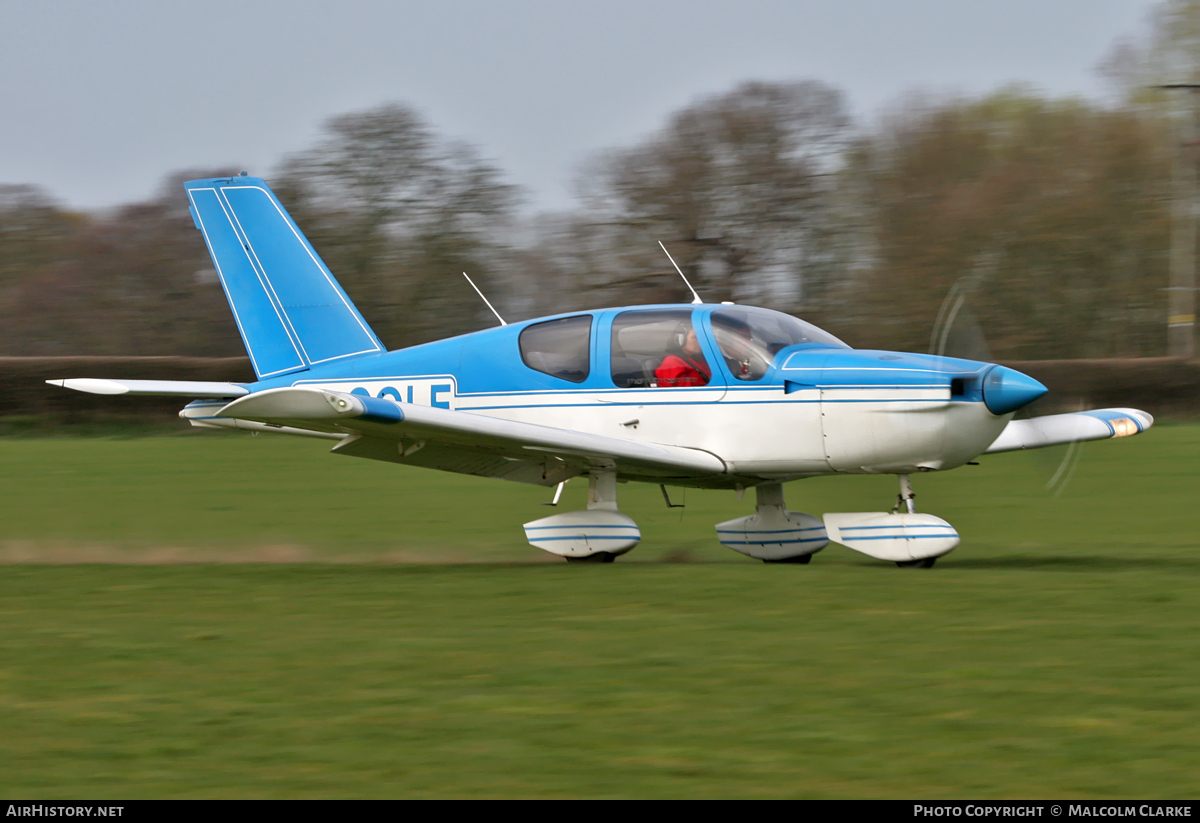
1032	226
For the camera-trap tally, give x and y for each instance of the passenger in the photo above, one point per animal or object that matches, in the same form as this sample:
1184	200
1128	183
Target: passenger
687	368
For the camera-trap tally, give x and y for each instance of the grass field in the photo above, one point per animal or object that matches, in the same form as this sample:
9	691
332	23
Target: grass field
1056	653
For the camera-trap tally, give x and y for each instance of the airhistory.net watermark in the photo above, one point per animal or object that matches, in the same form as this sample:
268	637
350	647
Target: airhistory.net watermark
46	810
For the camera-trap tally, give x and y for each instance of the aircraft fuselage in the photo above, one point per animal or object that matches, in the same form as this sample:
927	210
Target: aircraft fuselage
816	408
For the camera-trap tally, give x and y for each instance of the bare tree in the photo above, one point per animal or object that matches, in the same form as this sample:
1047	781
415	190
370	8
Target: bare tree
735	185
1055	210
398	213
133	282
33	231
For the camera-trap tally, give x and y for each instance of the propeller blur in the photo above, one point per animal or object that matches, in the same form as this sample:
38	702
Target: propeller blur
700	395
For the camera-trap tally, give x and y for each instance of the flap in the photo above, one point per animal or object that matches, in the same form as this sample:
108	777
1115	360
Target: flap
384	419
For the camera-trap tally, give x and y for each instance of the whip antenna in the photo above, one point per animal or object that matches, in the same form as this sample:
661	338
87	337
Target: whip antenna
695	297
485	300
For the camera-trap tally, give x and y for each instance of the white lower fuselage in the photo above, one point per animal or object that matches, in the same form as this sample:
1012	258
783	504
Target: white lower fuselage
757	431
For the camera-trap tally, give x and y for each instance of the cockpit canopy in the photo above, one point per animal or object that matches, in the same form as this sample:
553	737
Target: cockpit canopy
661	347
749	338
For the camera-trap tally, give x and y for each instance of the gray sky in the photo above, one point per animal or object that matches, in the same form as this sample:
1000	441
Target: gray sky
100	100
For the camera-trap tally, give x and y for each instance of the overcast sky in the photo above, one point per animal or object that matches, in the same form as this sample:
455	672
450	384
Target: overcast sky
100	100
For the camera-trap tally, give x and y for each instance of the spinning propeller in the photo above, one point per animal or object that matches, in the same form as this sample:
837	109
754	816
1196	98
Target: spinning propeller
958	333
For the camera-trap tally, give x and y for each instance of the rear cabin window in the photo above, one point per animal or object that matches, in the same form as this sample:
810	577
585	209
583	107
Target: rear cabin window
657	348
559	348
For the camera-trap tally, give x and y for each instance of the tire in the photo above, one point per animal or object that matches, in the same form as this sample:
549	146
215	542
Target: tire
926	563
598	557
801	559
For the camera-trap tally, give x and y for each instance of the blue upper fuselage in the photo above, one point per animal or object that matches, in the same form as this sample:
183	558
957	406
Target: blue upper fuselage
490	362
300	327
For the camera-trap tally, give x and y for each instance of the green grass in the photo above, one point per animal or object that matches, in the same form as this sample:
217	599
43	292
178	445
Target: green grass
238	497
1053	654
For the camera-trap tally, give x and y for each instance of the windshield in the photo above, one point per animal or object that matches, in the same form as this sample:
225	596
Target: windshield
749	338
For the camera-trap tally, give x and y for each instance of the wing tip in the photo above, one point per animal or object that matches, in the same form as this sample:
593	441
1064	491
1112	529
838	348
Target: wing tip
91	385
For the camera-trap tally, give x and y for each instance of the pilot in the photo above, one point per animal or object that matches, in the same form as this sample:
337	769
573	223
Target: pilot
737	346
687	368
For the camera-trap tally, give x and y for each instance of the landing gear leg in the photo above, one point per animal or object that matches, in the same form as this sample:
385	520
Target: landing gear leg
602	491
906	500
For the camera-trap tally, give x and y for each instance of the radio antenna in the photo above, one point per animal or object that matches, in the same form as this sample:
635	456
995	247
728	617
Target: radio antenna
695	297
485	300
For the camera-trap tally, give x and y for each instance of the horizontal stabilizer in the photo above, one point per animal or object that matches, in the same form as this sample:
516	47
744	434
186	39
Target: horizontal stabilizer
1056	429
180	388
414	430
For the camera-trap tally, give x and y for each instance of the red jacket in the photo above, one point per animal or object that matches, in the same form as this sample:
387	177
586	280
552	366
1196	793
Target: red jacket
680	370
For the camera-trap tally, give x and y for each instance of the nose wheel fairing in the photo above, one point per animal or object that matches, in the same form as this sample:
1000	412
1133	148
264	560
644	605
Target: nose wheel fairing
896	537
775	535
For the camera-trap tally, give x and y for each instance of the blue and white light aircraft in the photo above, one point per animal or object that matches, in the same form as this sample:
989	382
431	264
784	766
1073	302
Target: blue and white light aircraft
700	395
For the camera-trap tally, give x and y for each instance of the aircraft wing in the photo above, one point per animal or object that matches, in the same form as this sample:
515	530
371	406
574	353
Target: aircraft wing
1055	429
380	429
182	388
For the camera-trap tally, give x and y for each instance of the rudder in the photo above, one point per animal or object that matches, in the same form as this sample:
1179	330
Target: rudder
291	312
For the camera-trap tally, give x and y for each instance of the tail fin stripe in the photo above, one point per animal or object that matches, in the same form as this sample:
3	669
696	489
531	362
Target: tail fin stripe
268	342
291	312
325	321
264	281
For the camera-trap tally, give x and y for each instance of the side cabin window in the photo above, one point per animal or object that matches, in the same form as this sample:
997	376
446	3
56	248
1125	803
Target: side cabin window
559	348
749	338
657	348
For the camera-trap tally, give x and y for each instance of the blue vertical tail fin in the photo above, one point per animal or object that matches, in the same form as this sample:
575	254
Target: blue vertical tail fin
290	310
